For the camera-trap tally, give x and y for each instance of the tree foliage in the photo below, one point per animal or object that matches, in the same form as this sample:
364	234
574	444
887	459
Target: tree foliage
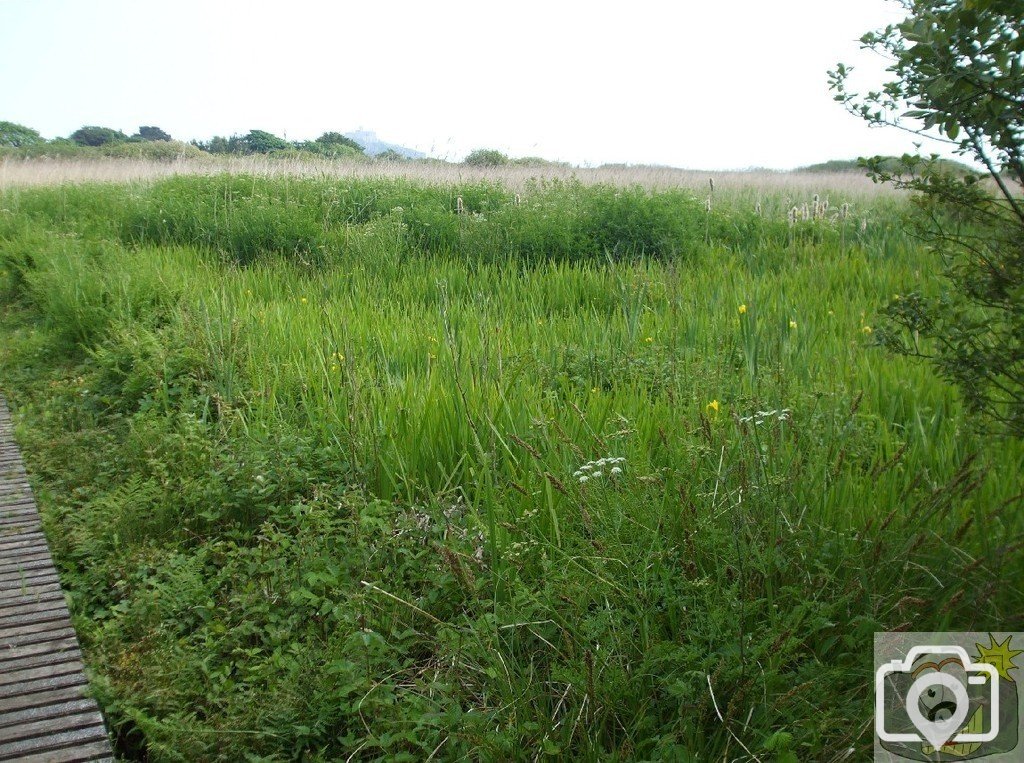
149	132
958	77
261	142
486	157
253	142
93	135
337	139
13	135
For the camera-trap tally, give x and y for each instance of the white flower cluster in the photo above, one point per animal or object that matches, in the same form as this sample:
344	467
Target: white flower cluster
595	469
761	416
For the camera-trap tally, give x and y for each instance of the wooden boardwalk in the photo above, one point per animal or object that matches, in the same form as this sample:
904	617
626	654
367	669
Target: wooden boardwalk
44	712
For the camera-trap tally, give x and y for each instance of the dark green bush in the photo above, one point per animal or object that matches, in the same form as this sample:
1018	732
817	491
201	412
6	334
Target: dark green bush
485	157
92	135
13	135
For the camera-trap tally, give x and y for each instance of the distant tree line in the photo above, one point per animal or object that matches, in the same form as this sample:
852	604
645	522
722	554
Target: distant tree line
332	144
152	142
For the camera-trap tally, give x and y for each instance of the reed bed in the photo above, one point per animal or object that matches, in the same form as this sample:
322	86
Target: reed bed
369	468
18	172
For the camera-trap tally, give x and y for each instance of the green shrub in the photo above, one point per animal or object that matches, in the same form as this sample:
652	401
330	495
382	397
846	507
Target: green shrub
91	135
485	157
18	136
157	150
149	132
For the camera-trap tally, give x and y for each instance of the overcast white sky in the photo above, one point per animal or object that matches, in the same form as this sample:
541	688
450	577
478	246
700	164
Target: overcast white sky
710	85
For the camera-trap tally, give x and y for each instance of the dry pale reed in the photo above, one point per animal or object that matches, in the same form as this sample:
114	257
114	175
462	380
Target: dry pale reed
41	171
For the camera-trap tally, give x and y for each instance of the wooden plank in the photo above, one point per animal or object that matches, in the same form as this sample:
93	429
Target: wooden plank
18	750
10	525
44	684
41	698
13	510
54	710
22	515
42	660
25	597
16	555
97	752
27	579
14	526
31	613
19	523
28	562
10	678
8	539
14	547
17	580
12	543
45	713
58	645
18	509
11	632
48	726
51	632
32	591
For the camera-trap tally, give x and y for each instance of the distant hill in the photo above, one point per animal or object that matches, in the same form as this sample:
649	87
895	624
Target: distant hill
850	165
374	145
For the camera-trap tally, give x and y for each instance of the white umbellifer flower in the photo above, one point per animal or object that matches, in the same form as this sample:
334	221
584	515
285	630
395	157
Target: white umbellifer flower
760	417
595	468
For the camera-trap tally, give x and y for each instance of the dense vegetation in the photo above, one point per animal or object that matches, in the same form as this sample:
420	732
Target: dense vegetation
957	68
886	163
151	142
390	470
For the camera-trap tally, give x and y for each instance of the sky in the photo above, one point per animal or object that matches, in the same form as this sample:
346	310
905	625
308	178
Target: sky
727	84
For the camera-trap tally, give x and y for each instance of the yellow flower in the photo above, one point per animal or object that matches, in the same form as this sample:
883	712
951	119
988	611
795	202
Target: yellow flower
649	340
743	309
713	406
334	367
866	329
593	390
792	324
304	300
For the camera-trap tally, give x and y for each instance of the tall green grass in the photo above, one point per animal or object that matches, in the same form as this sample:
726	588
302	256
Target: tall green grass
312	463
